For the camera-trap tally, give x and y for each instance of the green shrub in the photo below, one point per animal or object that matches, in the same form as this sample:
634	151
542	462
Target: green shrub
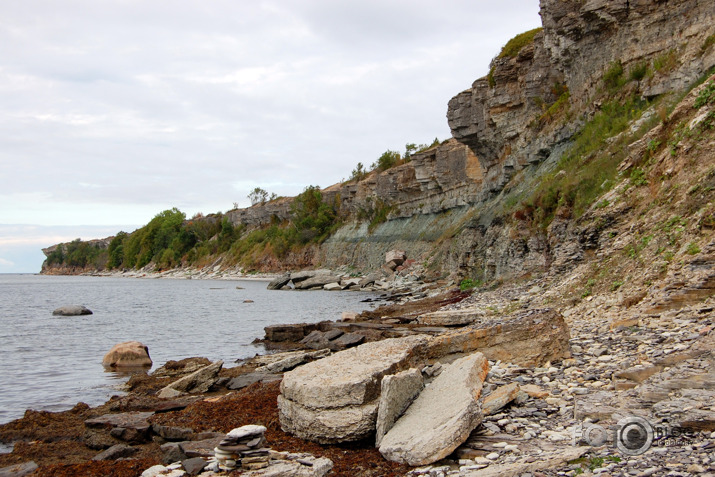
693	249
612	77
709	41
387	160
665	62
638	71
515	45
706	95
588	171
490	78
468	284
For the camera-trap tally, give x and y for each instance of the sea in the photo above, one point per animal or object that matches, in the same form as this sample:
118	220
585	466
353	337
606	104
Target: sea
52	362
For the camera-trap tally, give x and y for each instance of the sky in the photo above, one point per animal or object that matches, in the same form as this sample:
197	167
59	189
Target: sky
113	111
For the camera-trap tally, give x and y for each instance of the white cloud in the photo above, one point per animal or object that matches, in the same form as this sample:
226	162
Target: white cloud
114	111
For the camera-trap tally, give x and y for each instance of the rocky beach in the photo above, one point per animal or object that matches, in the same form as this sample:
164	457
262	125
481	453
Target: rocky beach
545	278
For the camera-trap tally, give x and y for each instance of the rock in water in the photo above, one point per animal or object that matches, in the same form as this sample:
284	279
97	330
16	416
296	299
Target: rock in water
279	282
72	310
130	354
442	416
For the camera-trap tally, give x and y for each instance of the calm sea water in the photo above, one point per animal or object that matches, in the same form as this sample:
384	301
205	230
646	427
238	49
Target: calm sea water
51	363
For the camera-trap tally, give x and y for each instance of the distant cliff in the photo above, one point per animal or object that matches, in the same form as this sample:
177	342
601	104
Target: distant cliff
488	202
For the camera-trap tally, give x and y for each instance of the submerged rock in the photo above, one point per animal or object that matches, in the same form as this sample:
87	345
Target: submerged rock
72	310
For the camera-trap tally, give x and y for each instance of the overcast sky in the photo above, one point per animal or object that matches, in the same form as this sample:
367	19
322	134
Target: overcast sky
112	111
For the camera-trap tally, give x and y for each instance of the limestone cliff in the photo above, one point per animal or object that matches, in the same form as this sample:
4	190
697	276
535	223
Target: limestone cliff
451	206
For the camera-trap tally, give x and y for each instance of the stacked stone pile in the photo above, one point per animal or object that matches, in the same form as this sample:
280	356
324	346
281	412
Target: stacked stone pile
244	447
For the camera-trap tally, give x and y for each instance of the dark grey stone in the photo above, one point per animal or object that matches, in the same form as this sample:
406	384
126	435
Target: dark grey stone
280	282
194	465
172	452
115	452
171	433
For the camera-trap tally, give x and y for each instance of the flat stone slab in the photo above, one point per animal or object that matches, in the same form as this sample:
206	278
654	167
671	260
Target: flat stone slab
442	416
398	392
499	398
452	317
529	338
197	382
202	448
351	377
335	399
327	426
126	420
18	470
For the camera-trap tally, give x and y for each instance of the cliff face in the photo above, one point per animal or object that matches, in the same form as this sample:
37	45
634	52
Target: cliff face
578	43
447	206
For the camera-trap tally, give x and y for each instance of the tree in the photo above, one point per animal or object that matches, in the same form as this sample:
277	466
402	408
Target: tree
358	173
387	160
258	196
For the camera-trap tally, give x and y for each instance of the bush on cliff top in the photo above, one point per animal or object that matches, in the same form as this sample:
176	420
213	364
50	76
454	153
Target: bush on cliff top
515	45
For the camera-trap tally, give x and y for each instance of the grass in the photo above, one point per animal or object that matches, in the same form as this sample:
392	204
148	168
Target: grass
638	71
468	284
515	45
588	169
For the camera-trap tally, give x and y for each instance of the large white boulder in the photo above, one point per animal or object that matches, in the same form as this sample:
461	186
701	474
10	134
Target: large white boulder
130	354
442	416
335	399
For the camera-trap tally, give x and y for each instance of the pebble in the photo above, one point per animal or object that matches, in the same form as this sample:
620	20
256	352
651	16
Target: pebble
493	456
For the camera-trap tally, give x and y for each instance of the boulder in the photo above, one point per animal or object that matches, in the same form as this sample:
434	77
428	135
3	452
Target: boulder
194	465
197	382
318	281
72	310
397	393
124	420
245	380
347	340
335	399
442	416
202	448
529	338
297	277
130	354
335	286
279	282
291	332
349	316
172	452
396	256
115	452
499	398
292	361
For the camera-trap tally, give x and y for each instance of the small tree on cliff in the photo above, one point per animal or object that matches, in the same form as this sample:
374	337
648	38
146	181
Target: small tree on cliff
258	196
